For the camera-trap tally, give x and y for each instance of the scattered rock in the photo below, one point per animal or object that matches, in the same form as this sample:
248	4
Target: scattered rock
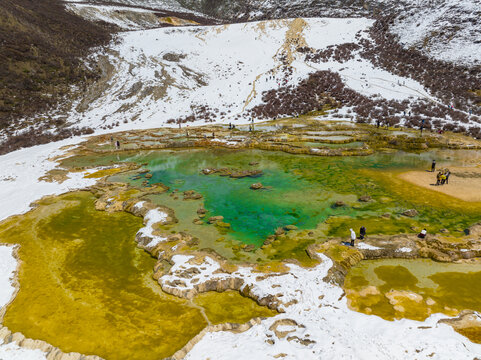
148	176
192	195
386	216
410	213
222	224
201	211
246	173
444	231
214	219
198	222
256	186
365	198
290	227
269	240
279	231
208	171
249	248
253	163
339	203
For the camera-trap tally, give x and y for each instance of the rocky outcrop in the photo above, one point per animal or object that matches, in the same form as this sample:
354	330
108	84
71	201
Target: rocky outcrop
410	213
467	323
192	195
403	246
256	186
214	219
115	197
51	352
232	173
365	198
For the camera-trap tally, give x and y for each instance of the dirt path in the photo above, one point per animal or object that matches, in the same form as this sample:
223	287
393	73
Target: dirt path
464	183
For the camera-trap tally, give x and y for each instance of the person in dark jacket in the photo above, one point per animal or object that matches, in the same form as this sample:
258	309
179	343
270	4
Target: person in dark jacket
362	232
433	166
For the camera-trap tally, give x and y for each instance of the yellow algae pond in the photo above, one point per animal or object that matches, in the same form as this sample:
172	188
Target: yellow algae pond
414	289
86	287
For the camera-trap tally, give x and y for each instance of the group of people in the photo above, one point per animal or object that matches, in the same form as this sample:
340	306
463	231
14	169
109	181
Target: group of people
443	175
362	234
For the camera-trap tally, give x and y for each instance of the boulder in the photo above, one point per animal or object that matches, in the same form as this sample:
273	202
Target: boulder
148	176
208	171
201	211
214	219
410	213
339	203
365	198
192	195
249	248
198	222
222	224
256	186
290	227
245	173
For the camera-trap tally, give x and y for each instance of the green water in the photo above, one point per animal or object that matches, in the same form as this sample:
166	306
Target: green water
300	191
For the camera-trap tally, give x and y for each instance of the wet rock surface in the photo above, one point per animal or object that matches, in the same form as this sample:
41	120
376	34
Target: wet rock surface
257	186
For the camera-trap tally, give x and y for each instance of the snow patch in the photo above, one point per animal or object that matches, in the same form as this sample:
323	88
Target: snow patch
152	217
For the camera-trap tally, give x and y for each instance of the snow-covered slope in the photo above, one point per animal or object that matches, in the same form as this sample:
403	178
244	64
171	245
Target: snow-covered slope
447	30
159	77
171	5
125	18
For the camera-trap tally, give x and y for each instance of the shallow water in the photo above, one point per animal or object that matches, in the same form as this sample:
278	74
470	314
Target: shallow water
300	191
86	287
351	145
413	288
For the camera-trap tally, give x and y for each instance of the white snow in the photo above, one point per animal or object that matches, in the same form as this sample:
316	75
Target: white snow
404	250
323	317
445	30
163	74
20	171
12	351
8	265
364	246
152	217
127	18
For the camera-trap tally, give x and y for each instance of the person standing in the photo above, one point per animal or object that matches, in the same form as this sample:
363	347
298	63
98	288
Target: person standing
433	166
443	178
422	234
362	232
353	237
447	175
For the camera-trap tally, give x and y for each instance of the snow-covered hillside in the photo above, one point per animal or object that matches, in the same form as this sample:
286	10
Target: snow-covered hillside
161	77
447	30
444	29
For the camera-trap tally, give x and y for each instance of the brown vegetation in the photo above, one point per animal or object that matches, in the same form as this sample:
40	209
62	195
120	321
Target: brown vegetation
41	47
